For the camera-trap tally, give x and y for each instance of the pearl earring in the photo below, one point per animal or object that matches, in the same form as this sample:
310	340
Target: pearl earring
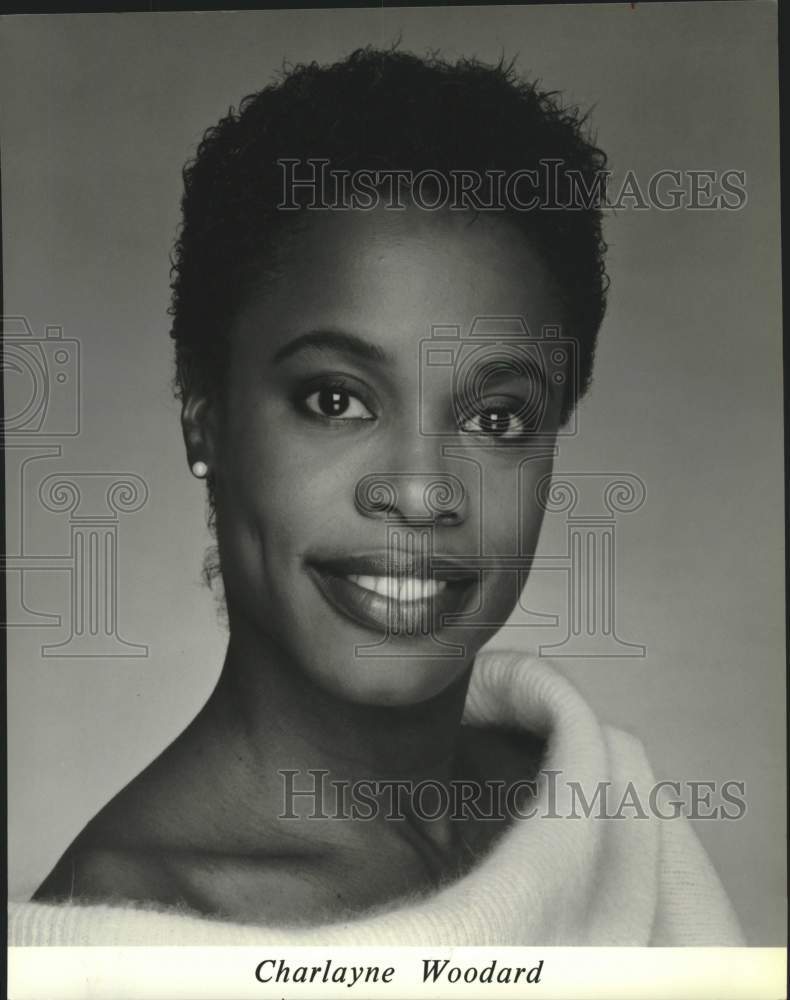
199	470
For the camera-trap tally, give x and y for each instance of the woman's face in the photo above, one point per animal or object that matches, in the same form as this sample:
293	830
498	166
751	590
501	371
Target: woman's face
370	484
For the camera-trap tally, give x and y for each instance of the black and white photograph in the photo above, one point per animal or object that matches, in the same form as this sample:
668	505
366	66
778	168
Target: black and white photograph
394	534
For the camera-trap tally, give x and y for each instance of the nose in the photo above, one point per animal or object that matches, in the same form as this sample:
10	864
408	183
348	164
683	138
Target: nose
438	498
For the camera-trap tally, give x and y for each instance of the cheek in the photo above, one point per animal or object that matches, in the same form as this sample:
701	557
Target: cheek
531	506
512	524
534	481
279	493
512	513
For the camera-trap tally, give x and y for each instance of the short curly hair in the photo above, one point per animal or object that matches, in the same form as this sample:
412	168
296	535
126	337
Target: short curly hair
375	109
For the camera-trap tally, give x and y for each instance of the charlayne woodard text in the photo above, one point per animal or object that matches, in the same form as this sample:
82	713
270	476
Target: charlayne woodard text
434	970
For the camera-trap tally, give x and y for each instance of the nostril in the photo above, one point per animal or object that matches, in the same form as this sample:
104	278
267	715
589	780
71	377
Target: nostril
419	496
444	497
375	495
448	517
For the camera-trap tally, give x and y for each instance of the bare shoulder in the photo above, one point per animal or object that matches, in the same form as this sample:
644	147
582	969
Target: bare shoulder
107	875
122	851
181	828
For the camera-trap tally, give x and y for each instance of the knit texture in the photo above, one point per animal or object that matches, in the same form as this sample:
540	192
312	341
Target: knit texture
547	881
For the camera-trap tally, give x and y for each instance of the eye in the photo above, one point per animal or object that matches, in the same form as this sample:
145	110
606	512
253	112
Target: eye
338	403
497	421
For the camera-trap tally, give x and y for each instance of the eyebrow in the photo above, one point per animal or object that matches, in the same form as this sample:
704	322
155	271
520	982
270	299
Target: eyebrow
334	340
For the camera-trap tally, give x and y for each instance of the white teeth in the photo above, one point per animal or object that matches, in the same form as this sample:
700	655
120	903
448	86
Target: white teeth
408	588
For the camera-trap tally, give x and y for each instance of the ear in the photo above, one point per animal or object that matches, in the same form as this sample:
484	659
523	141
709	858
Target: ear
200	426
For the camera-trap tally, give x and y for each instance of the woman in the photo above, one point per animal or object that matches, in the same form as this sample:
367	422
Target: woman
372	391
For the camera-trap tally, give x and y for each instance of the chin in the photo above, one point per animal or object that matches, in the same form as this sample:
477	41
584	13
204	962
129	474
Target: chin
396	679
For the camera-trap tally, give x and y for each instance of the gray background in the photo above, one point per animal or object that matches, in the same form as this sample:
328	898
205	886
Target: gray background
100	112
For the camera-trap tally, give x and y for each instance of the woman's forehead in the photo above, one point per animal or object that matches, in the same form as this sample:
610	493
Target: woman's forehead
361	239
387	272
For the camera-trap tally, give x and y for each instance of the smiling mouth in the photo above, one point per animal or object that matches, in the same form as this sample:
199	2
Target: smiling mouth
400	588
408	602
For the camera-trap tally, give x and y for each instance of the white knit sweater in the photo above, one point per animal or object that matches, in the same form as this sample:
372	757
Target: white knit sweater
548	881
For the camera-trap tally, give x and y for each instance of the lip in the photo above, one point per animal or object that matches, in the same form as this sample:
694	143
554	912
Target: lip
396	563
413	618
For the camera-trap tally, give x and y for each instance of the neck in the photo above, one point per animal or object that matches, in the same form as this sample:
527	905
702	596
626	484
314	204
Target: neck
285	720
